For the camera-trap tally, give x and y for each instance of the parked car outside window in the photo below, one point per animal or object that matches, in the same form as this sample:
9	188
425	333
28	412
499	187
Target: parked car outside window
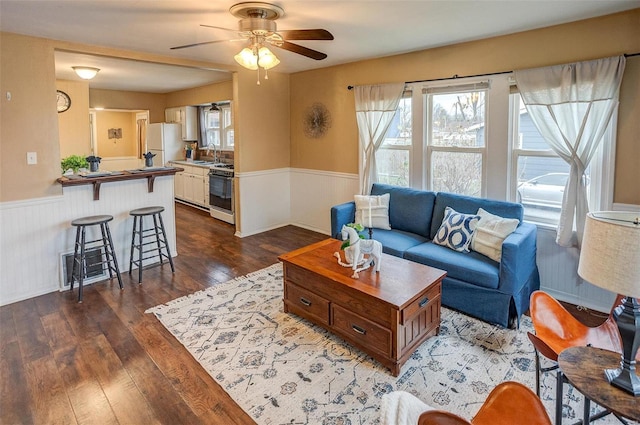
546	190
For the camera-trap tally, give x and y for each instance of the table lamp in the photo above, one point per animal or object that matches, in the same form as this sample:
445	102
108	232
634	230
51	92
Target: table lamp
610	259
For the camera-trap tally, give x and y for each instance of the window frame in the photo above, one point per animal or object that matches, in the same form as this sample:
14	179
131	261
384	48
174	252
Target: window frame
428	92
601	167
500	160
223	128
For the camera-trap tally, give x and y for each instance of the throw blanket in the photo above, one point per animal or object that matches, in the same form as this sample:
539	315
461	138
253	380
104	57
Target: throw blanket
401	408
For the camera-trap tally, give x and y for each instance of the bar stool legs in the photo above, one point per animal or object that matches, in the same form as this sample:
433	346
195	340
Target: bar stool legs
105	245
145	241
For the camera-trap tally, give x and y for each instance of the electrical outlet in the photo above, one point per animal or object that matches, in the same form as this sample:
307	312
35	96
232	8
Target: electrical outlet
32	158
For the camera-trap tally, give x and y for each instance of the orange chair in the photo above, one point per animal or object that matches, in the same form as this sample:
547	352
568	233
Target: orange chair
556	330
509	403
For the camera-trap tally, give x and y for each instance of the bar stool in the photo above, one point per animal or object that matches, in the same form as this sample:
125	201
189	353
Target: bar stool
105	244
151	240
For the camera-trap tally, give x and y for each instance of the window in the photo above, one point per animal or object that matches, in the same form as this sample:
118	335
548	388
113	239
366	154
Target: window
393	158
455	138
219	128
539	175
477	139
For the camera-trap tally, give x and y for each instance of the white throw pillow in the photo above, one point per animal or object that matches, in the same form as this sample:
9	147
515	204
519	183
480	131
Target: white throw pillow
490	232
373	211
456	230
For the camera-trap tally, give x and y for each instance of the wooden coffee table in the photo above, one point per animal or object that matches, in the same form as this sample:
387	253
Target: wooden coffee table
386	314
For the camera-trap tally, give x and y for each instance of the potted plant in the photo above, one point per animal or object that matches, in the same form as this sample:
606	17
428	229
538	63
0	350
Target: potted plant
359	228
73	162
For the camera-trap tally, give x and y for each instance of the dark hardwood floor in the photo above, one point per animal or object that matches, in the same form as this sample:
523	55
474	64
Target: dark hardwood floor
107	362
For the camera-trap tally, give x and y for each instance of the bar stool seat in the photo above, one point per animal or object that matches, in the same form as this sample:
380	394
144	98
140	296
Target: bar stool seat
104	244
152	240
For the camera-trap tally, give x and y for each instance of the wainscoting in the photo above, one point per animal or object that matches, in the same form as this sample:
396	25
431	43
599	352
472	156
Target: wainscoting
36	232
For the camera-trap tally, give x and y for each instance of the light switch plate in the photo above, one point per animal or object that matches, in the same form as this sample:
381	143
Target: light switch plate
32	158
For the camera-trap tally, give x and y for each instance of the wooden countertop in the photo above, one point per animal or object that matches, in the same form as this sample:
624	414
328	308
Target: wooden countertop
115	176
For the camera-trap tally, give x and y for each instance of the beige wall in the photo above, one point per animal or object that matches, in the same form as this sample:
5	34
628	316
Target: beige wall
29	121
261	114
200	95
127	145
74	130
589	39
129	100
268	117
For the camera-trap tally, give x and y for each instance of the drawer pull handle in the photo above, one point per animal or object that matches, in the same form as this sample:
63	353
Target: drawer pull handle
305	301
423	302
358	329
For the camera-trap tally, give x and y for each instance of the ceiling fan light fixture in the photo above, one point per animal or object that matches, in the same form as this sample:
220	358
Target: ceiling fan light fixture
247	59
266	59
85	72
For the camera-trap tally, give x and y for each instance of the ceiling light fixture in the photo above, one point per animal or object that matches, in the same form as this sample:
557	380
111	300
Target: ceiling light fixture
256	57
85	72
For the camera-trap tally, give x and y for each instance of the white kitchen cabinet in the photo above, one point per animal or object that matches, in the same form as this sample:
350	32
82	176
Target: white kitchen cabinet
179	185
187	116
192	185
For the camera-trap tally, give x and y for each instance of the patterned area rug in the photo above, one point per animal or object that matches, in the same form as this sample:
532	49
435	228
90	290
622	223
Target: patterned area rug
283	370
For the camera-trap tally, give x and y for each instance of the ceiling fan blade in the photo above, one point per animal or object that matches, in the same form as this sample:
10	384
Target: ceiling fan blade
217	28
204	43
301	50
312	34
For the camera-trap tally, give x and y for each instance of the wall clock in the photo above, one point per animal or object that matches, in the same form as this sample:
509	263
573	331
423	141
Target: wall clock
317	121
64	101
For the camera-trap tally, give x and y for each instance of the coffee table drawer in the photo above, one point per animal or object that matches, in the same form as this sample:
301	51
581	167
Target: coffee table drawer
423	302
305	303
361	331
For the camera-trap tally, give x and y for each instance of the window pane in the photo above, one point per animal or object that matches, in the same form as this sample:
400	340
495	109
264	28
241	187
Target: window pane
213	119
393	166
458	119
230	138
528	135
213	137
541	182
399	132
457	172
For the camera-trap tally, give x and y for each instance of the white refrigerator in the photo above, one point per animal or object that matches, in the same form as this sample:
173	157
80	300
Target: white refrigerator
165	140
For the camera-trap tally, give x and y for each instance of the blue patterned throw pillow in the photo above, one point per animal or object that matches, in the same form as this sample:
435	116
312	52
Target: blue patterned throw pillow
456	230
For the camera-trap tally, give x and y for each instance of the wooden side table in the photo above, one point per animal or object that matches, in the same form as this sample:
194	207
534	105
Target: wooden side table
584	368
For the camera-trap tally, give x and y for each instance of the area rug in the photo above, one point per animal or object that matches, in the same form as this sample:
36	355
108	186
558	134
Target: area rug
281	369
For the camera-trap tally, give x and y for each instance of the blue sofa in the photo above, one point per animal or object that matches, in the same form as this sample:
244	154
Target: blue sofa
476	285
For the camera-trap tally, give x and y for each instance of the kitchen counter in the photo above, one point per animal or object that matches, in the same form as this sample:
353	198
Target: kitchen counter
203	164
96	179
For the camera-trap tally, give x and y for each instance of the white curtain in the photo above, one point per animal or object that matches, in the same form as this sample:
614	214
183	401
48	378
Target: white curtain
571	105
376	106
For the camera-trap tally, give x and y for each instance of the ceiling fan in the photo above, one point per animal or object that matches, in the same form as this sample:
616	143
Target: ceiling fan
257	26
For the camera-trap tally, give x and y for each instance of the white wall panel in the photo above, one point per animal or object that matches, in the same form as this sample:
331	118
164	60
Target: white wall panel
264	199
34	233
313	193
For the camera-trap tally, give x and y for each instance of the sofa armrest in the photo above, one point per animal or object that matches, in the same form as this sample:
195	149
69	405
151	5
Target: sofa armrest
340	215
518	261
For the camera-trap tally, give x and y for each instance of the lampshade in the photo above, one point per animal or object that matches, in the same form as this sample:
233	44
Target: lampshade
265	58
85	72
247	59
610	252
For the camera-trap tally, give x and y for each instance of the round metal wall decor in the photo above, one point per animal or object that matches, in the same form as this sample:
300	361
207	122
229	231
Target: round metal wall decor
317	121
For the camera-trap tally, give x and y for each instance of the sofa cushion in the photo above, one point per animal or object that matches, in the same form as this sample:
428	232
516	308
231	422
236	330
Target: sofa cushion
410	210
396	242
373	211
469	205
490	232
456	230
465	266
